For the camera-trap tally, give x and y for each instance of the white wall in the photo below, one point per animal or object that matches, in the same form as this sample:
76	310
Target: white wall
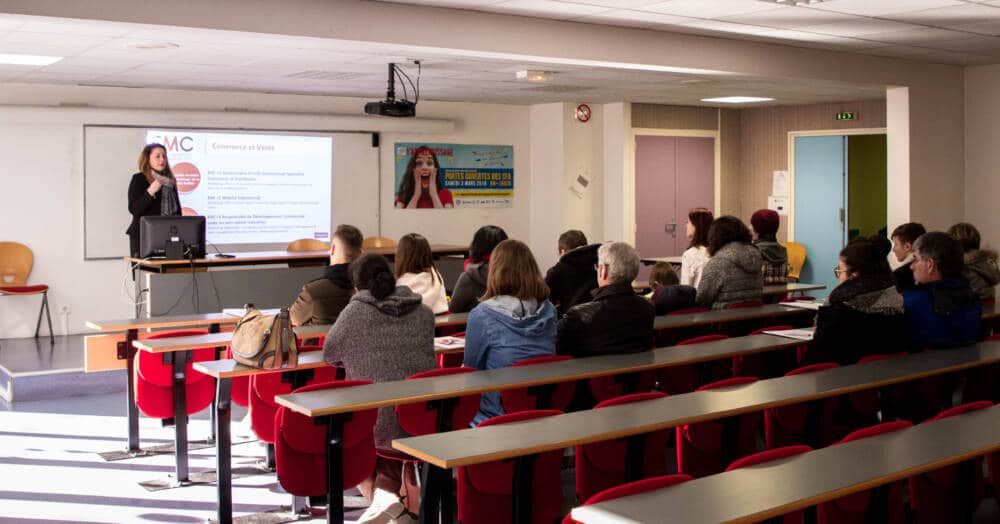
42	197
982	154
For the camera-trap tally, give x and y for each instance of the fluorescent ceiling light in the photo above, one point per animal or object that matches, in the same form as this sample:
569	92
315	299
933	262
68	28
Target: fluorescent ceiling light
737	99
30	60
534	75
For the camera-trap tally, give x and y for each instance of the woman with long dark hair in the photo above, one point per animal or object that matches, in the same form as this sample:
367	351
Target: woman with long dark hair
415	269
472	282
733	274
152	191
422	185
696	255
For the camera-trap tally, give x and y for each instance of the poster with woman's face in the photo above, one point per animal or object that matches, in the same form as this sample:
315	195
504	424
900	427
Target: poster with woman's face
443	176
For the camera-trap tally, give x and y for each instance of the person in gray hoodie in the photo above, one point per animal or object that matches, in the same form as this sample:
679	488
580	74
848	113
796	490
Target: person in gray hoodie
980	264
472	282
515	321
385	333
764	224
733	274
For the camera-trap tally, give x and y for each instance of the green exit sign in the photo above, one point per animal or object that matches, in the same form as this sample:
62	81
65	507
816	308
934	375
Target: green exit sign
847	115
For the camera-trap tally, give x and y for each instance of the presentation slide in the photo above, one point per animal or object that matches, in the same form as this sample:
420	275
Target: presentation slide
252	189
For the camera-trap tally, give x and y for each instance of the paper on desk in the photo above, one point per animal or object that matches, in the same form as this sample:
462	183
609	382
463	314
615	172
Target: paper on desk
797	334
449	342
804	304
239	312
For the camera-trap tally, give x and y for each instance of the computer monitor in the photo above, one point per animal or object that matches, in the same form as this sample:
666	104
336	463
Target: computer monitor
173	237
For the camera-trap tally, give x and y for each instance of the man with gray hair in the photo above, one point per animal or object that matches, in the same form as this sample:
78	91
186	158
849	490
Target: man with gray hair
617	320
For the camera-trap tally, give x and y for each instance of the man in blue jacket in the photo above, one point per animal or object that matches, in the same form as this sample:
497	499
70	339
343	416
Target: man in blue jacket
943	310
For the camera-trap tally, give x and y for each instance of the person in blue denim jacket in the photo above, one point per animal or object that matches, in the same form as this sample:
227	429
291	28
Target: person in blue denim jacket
943	310
514	320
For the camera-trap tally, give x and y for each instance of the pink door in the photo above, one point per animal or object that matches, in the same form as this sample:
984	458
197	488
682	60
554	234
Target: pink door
672	175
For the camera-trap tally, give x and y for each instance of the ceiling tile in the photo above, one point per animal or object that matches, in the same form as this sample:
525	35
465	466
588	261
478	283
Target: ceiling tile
708	8
922	54
957	16
727	27
858	27
545	9
881	7
986	27
971	44
10	22
633	18
917	36
65	26
616	4
77	42
788	17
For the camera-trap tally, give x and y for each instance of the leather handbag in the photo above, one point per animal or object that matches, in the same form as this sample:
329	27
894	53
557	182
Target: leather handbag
265	341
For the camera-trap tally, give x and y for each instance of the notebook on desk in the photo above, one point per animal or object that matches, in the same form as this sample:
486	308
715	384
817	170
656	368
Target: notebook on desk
797	334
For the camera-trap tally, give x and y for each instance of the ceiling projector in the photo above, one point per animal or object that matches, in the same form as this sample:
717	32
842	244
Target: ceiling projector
390	106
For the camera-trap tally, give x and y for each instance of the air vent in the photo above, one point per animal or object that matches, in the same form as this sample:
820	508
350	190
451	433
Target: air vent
325	75
559	89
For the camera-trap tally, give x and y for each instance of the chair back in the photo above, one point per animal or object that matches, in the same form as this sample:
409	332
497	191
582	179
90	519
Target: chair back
420	418
685	379
770	364
154	379
300	446
544	396
264	387
485	491
601	465
700	447
378	242
16	260
789	425
307	244
796	259
632	488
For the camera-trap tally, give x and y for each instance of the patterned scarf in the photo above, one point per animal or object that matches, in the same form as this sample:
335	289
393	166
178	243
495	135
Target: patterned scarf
169	205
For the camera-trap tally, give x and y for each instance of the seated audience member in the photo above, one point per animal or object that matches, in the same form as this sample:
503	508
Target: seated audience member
668	294
696	255
733	273
617	320
385	333
415	269
573	277
980	264
864	313
883	244
321	300
942	310
515	321
903	238
472	282
764	224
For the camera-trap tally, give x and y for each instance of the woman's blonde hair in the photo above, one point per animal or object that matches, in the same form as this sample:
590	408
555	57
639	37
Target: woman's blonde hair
514	272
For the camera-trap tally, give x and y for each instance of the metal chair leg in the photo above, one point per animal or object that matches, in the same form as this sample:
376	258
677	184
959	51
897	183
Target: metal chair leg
45	308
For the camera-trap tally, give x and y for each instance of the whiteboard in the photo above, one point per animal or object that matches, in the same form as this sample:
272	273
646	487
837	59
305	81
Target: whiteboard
111	156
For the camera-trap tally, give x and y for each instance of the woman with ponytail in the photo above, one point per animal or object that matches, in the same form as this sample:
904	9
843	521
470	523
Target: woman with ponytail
385	333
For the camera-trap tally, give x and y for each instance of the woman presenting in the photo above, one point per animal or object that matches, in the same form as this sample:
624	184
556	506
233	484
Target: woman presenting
152	191
423	184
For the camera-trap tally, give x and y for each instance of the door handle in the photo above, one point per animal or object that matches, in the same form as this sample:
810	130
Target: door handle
841	217
671	228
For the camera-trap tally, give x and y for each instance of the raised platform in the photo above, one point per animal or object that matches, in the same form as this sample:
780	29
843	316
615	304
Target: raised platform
33	369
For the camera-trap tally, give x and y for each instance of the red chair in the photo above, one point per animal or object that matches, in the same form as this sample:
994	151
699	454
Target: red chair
265	386
450	360
545	396
854	508
632	488
485	491
16	260
670	337
800	423
606	388
154	380
602	465
421	418
935	496
685	379
768	456
300	447
707	448
981	383
860	409
770	364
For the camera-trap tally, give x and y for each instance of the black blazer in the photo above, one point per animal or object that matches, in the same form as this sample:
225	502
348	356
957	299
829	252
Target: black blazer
140	204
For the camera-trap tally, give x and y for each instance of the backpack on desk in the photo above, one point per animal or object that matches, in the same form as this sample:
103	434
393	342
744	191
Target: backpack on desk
265	341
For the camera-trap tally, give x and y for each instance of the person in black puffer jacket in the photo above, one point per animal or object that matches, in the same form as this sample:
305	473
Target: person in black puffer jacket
472	282
573	277
864	314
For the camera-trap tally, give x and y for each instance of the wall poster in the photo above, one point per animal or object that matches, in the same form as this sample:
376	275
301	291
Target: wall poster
432	176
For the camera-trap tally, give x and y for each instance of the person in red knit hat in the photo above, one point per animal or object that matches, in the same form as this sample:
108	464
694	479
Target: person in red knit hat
764	224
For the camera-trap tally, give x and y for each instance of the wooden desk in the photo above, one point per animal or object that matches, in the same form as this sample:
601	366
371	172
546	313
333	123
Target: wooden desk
722	316
478	445
791	287
255	258
223	339
224	371
761	492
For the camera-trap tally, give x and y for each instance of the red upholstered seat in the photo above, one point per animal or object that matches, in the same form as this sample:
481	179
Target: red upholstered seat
632	488
485	491
786	425
154	380
766	365
685	379
300	447
601	465
764	457
854	508
935	495
605	388
24	290
700	447
420	418
264	387
532	398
